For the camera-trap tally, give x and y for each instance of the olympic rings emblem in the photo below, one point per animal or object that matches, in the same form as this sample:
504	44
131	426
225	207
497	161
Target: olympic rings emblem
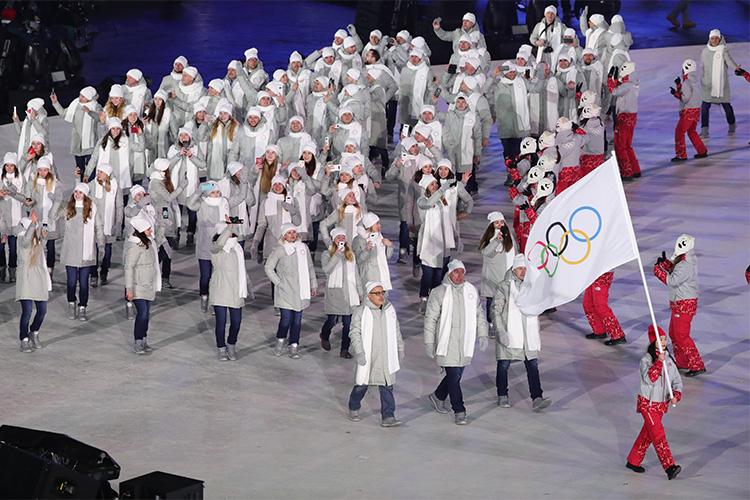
550	250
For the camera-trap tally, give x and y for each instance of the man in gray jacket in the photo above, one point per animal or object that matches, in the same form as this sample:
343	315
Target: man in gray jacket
453	321
379	350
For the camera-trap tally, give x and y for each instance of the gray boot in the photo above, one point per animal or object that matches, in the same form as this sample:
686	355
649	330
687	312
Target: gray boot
294	351
82	313
353	415
540	403
129	310
93	281
390	422
146	347
71	310
460	418
704	132
11	275
223	354
278	349
138	347
438	405
731	130
26	346
402	256
204	303
232	352
503	402
3	272
35	342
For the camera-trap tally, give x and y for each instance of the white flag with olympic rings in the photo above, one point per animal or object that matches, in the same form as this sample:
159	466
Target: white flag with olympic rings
581	234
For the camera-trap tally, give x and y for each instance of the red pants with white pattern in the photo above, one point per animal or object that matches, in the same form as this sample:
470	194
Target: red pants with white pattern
597	310
568	176
624	129
686	354
590	162
652	432
686	125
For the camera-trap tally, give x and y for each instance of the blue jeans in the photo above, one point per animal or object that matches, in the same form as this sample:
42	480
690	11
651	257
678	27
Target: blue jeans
41	311
387	402
81	162
488	309
192	220
728	111
106	260
79	276
532	374
290	323
235	320
313	243
142	315
325	332
12	255
472	185
205	269
451	386
432	277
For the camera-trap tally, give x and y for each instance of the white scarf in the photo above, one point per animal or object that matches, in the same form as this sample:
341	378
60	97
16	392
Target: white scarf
552	96
271	206
446	317
232	245
592	38
300	193
87	137
303	272
15	205
269	113
137	95
191	170
219	151
46	202
351	222
355	131
157	267
221	204
362	376
467	142
382	260
122	173
336	279
237	93
262	135
192	92
522	104
421	73
109	203
319	109
457	83
520	324
88	232
437	235
717	70
596	71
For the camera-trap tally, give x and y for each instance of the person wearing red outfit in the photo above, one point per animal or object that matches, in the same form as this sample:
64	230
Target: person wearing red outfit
657	369
625	88
686	91
601	318
680	274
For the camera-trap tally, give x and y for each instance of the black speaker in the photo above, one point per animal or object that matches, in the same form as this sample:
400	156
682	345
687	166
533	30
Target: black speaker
161	485
24	474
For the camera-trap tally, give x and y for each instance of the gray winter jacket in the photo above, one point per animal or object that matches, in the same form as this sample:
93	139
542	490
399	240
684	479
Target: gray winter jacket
140	271
281	270
337	299
32	279
379	371
499	316
657	390
223	289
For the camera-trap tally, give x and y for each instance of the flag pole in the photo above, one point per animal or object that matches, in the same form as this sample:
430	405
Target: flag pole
621	193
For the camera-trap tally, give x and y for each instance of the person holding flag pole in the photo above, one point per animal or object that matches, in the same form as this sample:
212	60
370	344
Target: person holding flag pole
583	233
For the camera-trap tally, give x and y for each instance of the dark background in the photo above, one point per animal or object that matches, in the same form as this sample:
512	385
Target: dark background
105	39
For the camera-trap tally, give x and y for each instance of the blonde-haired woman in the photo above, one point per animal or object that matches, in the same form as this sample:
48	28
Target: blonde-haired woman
343	289
34	284
83	232
83	115
279	208
113	150
46	197
220	140
347	215
107	197
115	105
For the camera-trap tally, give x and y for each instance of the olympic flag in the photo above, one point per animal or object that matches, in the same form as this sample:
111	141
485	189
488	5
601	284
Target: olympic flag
581	234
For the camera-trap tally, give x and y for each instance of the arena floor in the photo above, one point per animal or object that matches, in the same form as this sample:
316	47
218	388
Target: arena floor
267	427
